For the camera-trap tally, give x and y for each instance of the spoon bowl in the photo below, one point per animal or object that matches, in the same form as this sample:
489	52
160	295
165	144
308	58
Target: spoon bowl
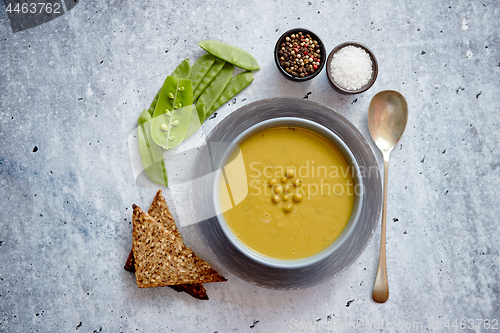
387	118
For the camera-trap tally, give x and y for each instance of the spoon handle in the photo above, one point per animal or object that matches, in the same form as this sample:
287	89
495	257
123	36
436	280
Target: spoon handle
381	286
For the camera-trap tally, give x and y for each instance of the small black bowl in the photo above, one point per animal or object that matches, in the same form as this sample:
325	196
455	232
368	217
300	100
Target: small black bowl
334	84
278	47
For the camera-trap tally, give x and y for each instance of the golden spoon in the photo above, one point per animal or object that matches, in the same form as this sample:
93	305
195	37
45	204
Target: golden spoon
387	117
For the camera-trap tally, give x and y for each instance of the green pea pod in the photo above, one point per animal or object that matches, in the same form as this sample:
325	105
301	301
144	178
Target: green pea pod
209	77
231	54
195	123
152	107
201	111
201	68
213	91
183	71
151	153
172	113
236	84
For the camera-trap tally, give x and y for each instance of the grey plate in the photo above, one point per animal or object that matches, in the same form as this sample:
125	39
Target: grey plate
210	157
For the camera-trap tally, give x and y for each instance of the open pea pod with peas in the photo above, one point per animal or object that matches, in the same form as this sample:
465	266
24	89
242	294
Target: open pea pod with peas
183	71
152	153
172	113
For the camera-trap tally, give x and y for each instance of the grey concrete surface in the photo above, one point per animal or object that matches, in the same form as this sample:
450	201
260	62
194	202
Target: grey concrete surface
70	94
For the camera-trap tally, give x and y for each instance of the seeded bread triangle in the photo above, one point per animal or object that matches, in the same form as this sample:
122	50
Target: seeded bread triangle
196	290
157	209
160	255
159	205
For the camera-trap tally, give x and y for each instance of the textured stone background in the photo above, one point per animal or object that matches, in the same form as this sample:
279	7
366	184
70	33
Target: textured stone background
70	94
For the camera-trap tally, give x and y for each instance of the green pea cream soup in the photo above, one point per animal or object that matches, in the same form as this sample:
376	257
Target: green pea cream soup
300	193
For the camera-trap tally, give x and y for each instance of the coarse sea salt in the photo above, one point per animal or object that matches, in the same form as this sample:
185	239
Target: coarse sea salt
351	67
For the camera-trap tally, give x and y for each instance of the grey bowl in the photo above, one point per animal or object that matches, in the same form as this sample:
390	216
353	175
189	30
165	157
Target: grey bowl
283	71
351	161
297	274
331	79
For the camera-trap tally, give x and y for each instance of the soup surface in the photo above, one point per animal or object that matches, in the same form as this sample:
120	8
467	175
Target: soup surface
297	197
